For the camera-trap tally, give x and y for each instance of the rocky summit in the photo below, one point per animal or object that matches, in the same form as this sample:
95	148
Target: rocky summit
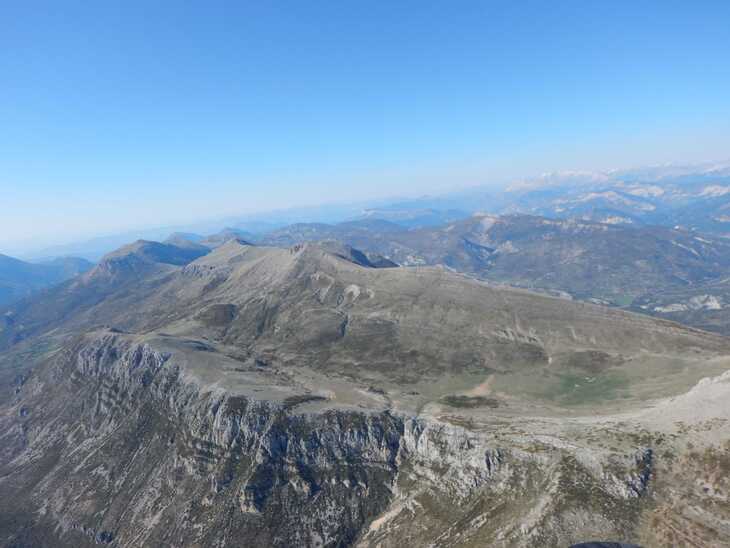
318	395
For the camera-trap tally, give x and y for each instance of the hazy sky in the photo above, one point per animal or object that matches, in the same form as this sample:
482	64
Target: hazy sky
120	114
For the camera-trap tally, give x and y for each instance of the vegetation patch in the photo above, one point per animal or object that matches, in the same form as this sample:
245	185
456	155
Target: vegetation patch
217	315
623	300
470	402
580	389
593	361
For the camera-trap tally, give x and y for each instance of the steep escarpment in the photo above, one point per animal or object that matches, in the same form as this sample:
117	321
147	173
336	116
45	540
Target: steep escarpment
111	442
134	454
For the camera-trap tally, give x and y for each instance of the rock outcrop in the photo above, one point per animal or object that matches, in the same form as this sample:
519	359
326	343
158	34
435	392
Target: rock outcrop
119	447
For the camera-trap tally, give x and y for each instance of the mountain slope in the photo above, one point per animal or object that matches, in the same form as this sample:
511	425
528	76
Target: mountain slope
225	235
307	306
360	234
19	279
118	273
295	397
615	264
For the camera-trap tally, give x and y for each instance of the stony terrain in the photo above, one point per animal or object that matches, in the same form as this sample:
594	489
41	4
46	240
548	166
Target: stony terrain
301	396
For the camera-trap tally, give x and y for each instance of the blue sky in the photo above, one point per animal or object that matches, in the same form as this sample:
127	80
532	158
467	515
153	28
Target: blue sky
116	115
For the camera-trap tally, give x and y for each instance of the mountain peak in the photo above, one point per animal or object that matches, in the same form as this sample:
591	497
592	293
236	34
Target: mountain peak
142	256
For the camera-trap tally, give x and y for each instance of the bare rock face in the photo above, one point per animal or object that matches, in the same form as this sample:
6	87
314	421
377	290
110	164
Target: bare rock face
127	452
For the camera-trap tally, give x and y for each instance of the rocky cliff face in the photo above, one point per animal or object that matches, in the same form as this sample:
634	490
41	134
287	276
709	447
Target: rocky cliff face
110	442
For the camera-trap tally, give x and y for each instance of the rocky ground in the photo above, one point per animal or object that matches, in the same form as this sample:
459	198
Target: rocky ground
276	401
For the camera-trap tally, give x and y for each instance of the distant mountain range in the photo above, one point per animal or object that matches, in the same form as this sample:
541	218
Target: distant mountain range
588	260
19	279
692	197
